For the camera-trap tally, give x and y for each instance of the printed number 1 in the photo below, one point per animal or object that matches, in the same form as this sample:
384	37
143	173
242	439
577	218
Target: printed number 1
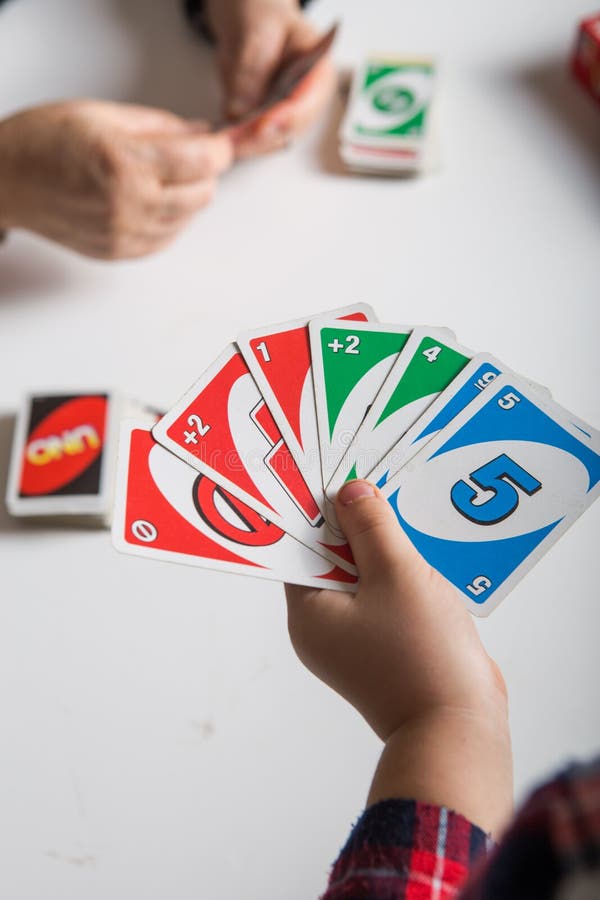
495	476
263	349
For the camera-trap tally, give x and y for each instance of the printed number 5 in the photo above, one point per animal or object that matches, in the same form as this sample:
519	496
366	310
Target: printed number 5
495	476
509	400
479	585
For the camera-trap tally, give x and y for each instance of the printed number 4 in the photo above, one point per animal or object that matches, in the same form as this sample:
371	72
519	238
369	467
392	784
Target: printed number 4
191	437
432	354
494	476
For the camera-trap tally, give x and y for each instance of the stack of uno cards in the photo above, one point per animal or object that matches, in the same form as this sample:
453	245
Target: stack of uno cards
387	128
64	454
482	469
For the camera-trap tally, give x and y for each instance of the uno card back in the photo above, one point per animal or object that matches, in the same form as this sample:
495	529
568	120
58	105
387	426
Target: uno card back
61	458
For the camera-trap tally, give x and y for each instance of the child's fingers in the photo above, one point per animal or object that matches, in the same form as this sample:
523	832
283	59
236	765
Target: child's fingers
381	550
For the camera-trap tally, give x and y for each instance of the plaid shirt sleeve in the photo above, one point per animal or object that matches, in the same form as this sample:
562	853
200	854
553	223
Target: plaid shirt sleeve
404	850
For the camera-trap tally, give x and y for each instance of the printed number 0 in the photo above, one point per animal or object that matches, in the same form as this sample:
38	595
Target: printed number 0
493	477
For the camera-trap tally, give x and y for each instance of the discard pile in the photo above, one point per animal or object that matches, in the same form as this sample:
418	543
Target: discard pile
482	469
388	126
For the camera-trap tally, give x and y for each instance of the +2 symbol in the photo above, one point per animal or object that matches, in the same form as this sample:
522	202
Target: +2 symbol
336	345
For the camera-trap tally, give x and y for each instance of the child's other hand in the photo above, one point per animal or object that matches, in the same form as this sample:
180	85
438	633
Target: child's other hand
406	654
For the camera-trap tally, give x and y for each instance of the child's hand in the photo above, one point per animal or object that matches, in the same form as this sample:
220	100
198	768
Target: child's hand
406	653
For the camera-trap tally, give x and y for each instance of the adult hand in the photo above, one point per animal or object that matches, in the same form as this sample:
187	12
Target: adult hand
406	654
254	39
108	180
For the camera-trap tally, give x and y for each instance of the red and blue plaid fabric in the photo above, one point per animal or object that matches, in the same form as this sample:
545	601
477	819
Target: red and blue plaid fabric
403	850
553	846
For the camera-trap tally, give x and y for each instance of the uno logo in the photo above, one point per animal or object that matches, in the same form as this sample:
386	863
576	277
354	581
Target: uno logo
63	445
393	99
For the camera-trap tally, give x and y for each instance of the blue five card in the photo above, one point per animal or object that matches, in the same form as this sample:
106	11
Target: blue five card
495	488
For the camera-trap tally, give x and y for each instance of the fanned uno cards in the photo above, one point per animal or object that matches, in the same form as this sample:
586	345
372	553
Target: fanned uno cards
279	360
483	470
464	387
166	510
350	363
223	428
428	363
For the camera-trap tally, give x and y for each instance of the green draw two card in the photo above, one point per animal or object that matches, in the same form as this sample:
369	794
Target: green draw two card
350	362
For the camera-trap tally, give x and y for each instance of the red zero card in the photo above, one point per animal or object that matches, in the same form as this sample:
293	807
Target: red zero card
279	359
166	510
59	455
222	427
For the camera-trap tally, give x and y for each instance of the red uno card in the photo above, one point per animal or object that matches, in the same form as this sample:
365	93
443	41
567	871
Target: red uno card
223	428
279	359
166	510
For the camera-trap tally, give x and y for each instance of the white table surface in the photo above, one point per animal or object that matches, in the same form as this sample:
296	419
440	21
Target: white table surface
159	738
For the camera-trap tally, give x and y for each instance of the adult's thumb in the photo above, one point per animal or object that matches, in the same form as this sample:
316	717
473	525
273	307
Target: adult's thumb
380	547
